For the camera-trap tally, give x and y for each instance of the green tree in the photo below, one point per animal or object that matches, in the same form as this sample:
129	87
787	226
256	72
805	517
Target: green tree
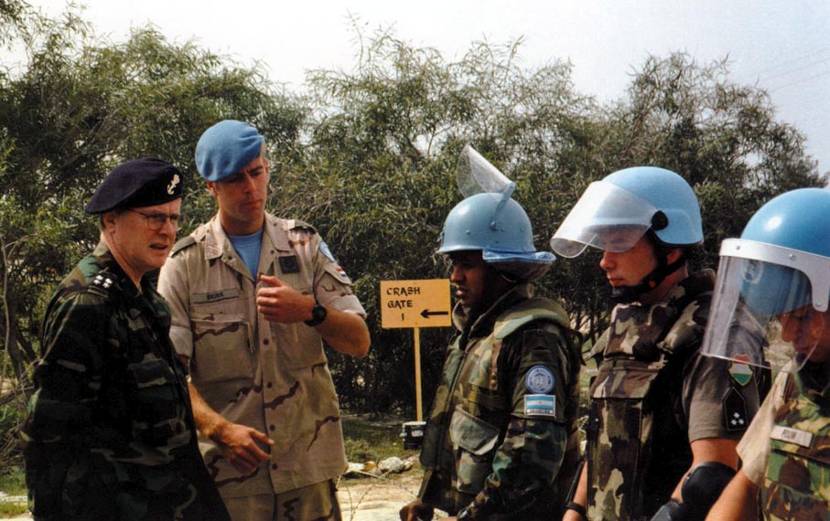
368	156
78	108
724	138
379	174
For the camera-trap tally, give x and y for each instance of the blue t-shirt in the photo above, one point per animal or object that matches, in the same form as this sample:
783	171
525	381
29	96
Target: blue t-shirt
248	246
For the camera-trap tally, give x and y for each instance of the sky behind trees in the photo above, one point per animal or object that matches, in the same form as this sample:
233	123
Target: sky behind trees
780	46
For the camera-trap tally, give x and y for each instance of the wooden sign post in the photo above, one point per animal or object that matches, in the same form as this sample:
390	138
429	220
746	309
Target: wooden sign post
415	304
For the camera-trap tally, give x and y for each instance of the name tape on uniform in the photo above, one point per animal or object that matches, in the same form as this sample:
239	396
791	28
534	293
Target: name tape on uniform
790	435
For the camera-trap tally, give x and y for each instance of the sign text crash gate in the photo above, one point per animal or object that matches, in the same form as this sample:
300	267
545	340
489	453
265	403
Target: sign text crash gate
415	303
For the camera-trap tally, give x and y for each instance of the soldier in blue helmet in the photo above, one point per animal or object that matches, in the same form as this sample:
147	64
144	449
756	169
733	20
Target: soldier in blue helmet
776	278
663	421
110	434
500	441
252	298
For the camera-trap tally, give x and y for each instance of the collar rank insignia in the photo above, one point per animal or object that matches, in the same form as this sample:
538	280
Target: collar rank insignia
101	280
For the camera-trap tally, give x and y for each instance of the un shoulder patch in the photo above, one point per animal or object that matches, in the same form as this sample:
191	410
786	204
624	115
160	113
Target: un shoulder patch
539	380
325	250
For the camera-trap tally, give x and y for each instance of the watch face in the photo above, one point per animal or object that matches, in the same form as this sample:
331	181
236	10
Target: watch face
318	314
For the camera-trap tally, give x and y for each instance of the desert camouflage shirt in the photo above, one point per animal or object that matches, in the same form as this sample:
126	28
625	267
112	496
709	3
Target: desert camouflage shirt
501	436
786	450
272	377
110	435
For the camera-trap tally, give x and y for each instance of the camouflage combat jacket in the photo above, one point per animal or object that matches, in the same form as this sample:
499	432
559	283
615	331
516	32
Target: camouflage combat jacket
638	443
110	435
272	377
501	436
797	480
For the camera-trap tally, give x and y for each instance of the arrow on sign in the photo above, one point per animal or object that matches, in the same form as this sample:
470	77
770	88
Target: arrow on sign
427	313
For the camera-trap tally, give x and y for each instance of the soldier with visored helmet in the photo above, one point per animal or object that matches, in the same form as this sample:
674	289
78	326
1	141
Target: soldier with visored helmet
777	278
110	434
664	420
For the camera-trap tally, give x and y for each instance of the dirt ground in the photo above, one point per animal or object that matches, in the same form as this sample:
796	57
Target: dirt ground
366	498
377	499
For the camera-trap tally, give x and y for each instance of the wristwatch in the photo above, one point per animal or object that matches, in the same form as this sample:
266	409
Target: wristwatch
579	509
464	514
318	315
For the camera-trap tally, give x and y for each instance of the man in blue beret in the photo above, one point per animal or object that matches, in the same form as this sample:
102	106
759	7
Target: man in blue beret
110	433
252	298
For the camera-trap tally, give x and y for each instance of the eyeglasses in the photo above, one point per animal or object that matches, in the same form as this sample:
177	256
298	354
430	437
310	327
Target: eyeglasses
156	221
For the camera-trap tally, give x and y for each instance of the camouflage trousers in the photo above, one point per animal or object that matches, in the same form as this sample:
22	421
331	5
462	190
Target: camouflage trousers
317	502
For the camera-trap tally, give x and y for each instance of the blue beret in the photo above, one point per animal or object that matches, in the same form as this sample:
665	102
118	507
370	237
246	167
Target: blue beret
139	182
226	148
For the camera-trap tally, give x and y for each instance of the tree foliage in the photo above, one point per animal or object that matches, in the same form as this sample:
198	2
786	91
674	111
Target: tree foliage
80	107
368	156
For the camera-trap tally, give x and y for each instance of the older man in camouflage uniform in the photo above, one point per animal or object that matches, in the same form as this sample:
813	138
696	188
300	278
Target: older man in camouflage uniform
778	273
664	420
252	298
110	434
500	443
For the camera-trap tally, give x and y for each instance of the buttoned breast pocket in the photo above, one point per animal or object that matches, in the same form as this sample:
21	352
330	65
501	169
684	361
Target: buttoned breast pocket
157	409
474	442
222	348
797	482
297	344
618	427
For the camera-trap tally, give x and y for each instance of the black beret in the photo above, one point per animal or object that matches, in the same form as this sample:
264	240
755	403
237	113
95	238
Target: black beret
135	183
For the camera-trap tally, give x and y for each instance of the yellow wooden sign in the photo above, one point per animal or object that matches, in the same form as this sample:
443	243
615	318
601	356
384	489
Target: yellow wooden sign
415	303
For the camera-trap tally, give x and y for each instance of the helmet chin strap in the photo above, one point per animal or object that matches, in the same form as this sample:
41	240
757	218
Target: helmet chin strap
626	294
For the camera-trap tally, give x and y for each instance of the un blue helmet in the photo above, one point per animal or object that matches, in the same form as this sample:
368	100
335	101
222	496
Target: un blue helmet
668	193
494	224
796	225
636	200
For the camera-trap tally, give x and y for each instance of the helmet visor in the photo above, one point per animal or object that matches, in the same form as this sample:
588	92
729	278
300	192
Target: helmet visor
606	217
762	314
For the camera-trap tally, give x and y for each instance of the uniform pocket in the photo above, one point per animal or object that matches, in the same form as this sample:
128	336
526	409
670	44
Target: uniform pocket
474	441
298	345
794	482
617	430
158	410
221	349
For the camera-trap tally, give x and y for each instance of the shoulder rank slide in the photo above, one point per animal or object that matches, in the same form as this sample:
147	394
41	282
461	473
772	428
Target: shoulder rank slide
102	280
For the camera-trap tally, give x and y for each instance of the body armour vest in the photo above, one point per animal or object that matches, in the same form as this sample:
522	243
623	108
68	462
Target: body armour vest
471	411
633	468
797	480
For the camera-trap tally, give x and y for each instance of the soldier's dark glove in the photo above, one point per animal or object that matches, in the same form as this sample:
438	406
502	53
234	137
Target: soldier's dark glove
700	490
416	511
671	511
